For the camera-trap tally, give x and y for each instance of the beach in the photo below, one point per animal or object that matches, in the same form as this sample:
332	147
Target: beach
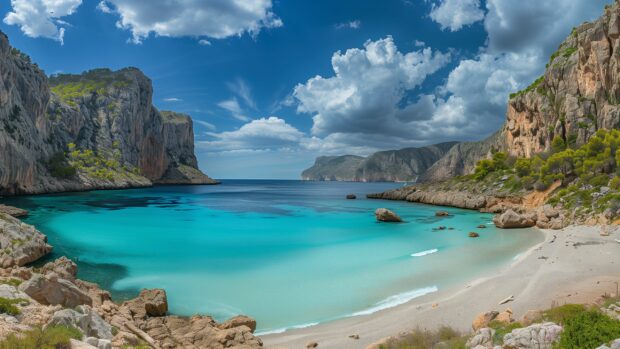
572	265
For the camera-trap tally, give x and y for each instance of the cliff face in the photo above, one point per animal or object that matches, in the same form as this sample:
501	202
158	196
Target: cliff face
89	131
389	166
578	94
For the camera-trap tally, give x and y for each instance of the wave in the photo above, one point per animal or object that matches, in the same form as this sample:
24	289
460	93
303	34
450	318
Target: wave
424	253
397	300
284	329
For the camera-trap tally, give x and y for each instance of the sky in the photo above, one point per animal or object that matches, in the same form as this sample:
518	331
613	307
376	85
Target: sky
271	85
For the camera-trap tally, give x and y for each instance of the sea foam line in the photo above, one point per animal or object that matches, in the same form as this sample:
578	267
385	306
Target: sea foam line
424	253
397	300
284	329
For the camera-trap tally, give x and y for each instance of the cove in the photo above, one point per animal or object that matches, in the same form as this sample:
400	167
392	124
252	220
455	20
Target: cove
287	253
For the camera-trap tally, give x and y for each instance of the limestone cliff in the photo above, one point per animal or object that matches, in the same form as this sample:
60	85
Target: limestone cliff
578	94
385	166
95	130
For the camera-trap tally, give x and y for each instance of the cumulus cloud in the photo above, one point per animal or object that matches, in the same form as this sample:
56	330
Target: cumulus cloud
41	18
367	93
456	14
264	134
216	19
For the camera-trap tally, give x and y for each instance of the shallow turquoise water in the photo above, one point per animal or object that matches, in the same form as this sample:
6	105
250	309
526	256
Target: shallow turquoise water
287	253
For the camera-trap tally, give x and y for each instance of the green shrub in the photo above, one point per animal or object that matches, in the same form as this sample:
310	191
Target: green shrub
424	339
501	329
59	168
52	337
588	329
7	306
558	144
560	314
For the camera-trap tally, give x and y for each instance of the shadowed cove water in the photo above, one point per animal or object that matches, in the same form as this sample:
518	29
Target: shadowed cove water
288	253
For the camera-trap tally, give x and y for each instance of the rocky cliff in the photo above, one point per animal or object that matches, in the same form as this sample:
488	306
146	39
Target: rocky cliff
89	131
578	94
385	166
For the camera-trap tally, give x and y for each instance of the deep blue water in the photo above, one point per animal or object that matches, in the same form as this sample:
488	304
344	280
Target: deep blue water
288	253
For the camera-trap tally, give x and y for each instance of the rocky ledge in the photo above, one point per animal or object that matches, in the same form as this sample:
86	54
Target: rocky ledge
52	295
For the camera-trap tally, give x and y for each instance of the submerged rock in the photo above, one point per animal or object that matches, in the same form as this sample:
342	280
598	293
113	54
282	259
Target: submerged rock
473	234
385	215
442	214
351	197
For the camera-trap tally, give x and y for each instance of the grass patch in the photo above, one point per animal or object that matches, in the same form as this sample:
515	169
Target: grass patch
7	306
501	329
446	337
11	281
52	337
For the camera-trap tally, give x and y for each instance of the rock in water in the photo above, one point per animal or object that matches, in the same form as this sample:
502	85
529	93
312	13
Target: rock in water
473	234
385	215
442	214
511	219
351	197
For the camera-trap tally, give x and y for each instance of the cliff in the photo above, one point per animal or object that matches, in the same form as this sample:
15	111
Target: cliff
95	130
385	166
578	94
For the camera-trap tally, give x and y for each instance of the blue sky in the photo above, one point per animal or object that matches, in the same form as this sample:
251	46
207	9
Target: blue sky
259	76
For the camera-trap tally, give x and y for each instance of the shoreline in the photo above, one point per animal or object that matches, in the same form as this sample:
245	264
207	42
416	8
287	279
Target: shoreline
572	265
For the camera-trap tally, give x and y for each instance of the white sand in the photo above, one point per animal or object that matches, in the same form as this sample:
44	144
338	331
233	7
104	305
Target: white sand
569	274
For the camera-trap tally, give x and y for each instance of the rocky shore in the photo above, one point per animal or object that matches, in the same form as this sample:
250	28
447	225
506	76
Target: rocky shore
52	295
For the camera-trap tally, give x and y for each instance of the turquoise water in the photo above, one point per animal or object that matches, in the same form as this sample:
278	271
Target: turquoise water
287	253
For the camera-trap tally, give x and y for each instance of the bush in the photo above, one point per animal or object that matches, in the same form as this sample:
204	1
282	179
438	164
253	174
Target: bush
588	329
7	306
52	337
423	339
59	168
501	329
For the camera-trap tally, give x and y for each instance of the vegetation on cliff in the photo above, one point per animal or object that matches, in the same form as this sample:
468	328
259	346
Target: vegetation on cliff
70	87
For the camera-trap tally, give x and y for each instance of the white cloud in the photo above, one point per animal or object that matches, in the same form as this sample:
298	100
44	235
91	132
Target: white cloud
265	134
356	24
204	42
103	7
367	93
241	89
172	99
41	18
216	19
456	14
232	105
209	126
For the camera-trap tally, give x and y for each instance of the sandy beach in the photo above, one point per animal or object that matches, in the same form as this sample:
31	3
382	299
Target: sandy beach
573	265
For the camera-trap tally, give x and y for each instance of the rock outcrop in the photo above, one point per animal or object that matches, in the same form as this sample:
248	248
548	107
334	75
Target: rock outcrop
540	336
402	165
90	131
511	219
20	243
385	215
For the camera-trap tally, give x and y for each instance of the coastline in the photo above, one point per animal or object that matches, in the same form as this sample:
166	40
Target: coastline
572	265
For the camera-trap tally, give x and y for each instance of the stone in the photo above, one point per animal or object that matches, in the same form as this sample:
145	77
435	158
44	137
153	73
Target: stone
531	316
615	344
539	336
505	316
511	219
354	336
483	320
99	343
20	243
351	197
85	319
13	211
385	215
481	226
63	267
483	337
312	345
442	214
155	302
442	227
75	344
239	320
11	292
51	290
473	234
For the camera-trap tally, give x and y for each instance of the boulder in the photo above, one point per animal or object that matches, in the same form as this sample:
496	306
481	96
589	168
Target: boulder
51	290
531	316
482	338
442	214
85	319
312	345
351	197
511	219
99	343
481	226
483	320
63	267
155	302
536	336
473	234
385	215
239	320
11	292
505	316
76	344
615	344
